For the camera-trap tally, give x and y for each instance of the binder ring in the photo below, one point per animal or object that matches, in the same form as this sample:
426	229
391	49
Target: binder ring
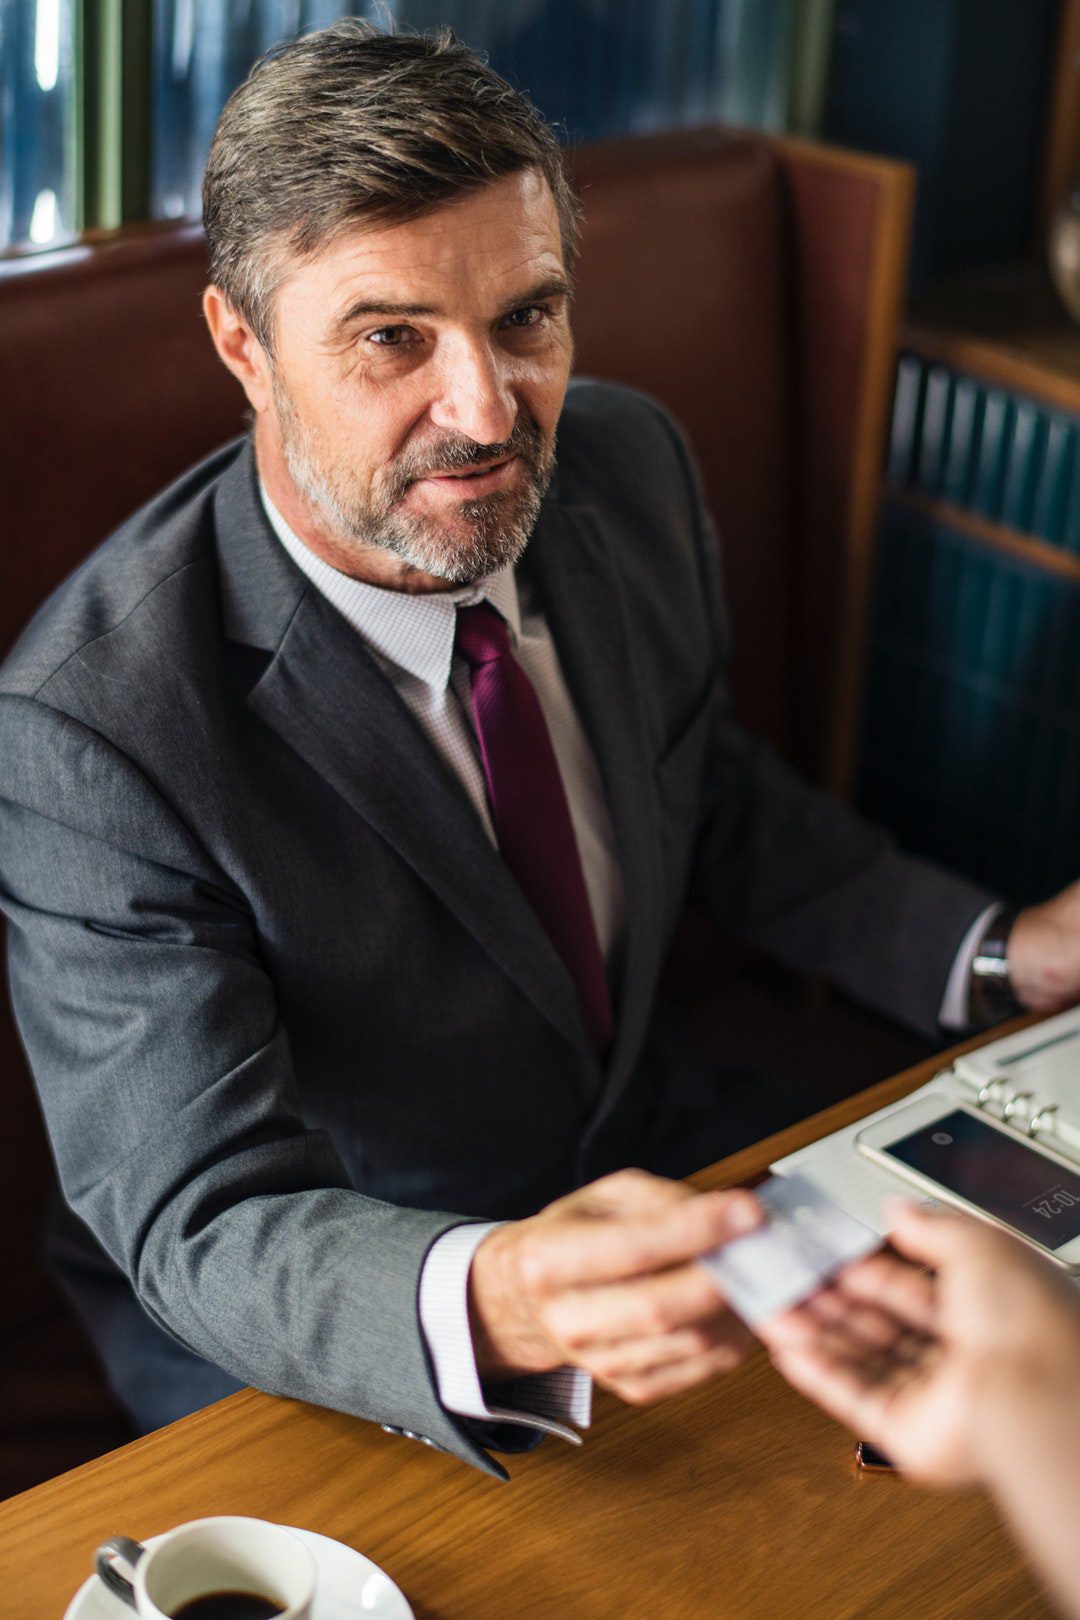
1017	1097
986	1092
1039	1116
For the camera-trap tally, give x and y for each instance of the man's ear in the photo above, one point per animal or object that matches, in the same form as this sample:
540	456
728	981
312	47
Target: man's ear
238	348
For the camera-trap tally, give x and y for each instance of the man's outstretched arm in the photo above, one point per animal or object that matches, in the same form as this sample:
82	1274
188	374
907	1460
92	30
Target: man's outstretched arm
166	1079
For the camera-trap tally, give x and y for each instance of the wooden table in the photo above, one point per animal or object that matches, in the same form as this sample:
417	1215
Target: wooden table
737	1500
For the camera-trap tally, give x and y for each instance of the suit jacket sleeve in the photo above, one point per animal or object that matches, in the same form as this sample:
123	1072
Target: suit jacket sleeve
802	877
168	1090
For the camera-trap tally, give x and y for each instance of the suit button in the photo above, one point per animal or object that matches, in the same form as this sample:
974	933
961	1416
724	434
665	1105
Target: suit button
388	1428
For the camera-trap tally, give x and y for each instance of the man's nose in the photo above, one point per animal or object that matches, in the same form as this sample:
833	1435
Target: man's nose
475	398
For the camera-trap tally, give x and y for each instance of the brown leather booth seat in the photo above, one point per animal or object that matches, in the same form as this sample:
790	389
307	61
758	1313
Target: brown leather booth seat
751	285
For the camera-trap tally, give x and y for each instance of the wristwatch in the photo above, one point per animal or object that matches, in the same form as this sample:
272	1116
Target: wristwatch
992	998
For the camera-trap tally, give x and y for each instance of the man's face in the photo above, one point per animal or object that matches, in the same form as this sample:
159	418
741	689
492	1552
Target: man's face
418	375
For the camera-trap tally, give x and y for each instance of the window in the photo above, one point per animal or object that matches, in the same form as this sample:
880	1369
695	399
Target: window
38	185
196	66
107	107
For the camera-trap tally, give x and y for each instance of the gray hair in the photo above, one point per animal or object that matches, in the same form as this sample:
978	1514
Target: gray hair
353	126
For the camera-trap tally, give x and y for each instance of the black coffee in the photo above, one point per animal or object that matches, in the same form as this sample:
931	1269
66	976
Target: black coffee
229	1606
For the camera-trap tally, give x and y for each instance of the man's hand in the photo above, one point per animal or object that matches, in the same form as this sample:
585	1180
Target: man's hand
606	1280
1044	952
948	1373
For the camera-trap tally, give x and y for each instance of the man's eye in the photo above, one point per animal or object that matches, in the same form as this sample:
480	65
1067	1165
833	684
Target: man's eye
529	315
391	337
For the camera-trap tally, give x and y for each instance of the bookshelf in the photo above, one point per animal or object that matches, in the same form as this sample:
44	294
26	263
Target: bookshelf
970	745
1006	323
1005	327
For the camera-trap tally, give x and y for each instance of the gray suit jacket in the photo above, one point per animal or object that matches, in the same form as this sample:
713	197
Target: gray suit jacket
288	1013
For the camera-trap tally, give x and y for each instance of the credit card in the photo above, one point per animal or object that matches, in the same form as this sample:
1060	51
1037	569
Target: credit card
806	1240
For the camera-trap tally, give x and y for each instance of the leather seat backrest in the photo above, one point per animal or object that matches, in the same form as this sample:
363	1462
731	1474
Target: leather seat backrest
684	291
110	389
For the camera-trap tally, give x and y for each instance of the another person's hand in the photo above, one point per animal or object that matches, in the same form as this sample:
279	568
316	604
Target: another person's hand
947	1373
1044	952
606	1279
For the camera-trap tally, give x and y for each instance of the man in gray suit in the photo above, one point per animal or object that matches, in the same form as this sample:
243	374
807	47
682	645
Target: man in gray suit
350	795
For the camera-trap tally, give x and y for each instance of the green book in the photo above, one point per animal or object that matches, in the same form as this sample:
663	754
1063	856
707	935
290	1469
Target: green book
906	419
1070	528
1022	464
973	610
1052	489
994	436
933	438
963	432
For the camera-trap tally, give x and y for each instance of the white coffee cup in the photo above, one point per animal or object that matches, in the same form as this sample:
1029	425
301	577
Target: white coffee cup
210	1556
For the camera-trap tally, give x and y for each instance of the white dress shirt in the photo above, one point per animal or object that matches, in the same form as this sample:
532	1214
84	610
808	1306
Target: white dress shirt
412	639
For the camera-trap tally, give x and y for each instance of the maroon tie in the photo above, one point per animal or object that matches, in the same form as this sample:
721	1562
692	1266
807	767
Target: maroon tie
529	809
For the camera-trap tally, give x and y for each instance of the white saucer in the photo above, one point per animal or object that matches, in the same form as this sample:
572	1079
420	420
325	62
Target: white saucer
350	1587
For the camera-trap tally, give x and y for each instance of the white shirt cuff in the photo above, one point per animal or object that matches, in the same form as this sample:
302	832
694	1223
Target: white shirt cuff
547	1401
955	1012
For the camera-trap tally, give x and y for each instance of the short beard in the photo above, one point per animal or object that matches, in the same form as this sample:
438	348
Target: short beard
499	525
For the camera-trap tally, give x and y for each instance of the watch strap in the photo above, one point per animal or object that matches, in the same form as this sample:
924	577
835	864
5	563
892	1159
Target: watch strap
991	995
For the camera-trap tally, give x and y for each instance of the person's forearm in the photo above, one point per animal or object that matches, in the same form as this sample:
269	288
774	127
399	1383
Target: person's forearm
1031	1444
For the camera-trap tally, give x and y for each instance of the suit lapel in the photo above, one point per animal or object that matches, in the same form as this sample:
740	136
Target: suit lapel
327	698
571	560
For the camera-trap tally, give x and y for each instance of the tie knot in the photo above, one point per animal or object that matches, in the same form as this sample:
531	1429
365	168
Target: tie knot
482	634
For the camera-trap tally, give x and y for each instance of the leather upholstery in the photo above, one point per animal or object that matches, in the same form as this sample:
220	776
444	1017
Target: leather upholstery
682	292
111	387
